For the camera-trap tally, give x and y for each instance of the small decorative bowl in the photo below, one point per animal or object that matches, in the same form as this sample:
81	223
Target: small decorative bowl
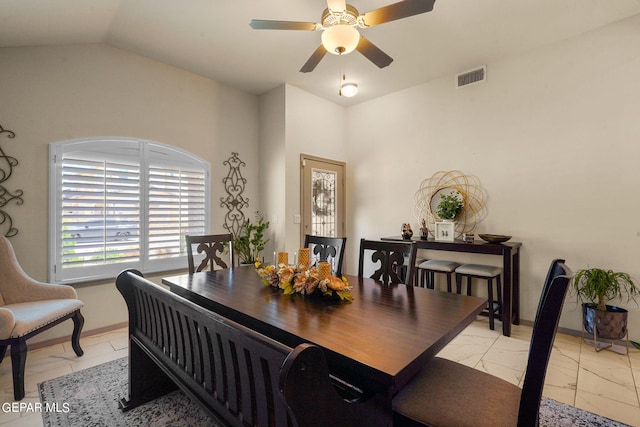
494	238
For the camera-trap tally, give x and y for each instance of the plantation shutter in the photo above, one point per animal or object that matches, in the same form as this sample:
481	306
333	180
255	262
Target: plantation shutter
176	208
100	221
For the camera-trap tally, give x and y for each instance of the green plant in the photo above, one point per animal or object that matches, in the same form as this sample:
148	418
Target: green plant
250	240
450	205
597	285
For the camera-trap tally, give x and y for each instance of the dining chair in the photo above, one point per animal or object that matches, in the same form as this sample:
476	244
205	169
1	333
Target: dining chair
316	398
211	245
324	247
29	307
447	393
392	258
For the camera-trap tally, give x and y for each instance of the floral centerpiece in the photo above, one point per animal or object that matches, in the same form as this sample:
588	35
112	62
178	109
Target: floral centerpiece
305	281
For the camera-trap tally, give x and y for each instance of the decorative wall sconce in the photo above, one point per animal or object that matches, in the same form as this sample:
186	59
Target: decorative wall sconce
6	169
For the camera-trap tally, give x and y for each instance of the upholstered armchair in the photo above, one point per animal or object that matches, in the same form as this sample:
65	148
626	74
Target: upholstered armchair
28	307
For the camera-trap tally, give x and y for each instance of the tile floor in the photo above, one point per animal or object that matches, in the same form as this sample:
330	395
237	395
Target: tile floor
603	382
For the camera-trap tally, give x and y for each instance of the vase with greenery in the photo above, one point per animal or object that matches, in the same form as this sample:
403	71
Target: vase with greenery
450	206
250	240
595	287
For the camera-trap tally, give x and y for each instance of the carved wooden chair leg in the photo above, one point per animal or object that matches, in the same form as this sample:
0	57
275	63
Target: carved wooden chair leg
3	351
78	322
18	361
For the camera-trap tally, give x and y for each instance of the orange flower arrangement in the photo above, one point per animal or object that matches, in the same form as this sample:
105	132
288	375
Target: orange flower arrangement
303	281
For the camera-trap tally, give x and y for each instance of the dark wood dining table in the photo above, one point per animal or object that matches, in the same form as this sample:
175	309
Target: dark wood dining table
377	342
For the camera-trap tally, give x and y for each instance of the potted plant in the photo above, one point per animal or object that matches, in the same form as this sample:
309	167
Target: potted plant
595	287
249	242
450	206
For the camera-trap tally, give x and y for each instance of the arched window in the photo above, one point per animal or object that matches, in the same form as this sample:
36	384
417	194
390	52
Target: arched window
117	203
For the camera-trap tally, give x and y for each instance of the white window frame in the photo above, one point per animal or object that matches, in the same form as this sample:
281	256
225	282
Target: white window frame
147	154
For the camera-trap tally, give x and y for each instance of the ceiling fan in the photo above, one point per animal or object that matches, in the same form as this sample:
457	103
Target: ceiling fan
340	35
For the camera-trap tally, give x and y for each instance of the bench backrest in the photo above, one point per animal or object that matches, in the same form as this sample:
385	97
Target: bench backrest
222	364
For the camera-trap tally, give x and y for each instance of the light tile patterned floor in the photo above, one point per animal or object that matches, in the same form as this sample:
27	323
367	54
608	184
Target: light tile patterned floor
603	382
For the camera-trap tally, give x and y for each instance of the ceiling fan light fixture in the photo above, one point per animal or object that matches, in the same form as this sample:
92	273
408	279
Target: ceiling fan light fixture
340	39
349	89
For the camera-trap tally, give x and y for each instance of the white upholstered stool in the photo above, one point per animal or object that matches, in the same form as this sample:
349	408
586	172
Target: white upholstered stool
488	273
428	269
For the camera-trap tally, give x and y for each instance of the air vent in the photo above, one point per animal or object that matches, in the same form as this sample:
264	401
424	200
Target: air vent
467	78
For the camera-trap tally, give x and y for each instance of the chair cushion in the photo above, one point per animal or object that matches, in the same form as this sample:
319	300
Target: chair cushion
439	265
29	316
479	270
447	393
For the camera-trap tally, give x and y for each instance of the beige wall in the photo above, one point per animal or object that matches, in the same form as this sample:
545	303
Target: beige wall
50	94
315	127
292	122
273	166
552	136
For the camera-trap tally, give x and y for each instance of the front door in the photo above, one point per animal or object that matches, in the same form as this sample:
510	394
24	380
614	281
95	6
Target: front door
323	197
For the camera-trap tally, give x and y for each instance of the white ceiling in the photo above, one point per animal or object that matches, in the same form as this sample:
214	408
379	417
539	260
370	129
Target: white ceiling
213	37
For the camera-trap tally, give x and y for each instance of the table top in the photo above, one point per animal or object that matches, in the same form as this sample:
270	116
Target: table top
378	341
458	245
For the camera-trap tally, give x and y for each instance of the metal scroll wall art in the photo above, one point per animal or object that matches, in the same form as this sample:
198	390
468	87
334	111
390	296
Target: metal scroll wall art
6	169
234	185
444	182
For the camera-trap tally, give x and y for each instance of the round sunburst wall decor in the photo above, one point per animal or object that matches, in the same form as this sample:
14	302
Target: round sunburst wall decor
446	182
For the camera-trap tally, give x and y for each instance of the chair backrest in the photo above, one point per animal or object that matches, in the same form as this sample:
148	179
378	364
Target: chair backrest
324	247
544	331
13	279
211	245
391	256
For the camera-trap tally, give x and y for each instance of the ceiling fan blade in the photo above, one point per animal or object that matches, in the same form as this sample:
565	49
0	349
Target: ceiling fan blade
373	53
337	5
314	60
261	24
399	10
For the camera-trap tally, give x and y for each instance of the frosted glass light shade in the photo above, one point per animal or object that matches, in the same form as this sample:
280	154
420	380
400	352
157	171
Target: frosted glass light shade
340	39
349	89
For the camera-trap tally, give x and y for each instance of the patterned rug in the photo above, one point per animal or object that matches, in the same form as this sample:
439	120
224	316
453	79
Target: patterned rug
90	398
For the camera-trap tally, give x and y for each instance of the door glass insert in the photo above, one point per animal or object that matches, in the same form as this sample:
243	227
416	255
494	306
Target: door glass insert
323	203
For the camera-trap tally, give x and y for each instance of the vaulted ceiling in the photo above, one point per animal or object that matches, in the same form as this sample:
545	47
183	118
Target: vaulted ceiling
213	37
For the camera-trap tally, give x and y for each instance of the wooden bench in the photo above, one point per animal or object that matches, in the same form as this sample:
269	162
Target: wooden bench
231	371
237	375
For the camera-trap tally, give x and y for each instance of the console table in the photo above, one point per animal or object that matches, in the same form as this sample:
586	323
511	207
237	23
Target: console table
510	253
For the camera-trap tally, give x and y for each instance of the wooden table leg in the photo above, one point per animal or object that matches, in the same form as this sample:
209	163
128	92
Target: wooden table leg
507	294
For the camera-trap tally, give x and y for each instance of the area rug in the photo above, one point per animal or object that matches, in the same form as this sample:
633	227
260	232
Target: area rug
90	398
